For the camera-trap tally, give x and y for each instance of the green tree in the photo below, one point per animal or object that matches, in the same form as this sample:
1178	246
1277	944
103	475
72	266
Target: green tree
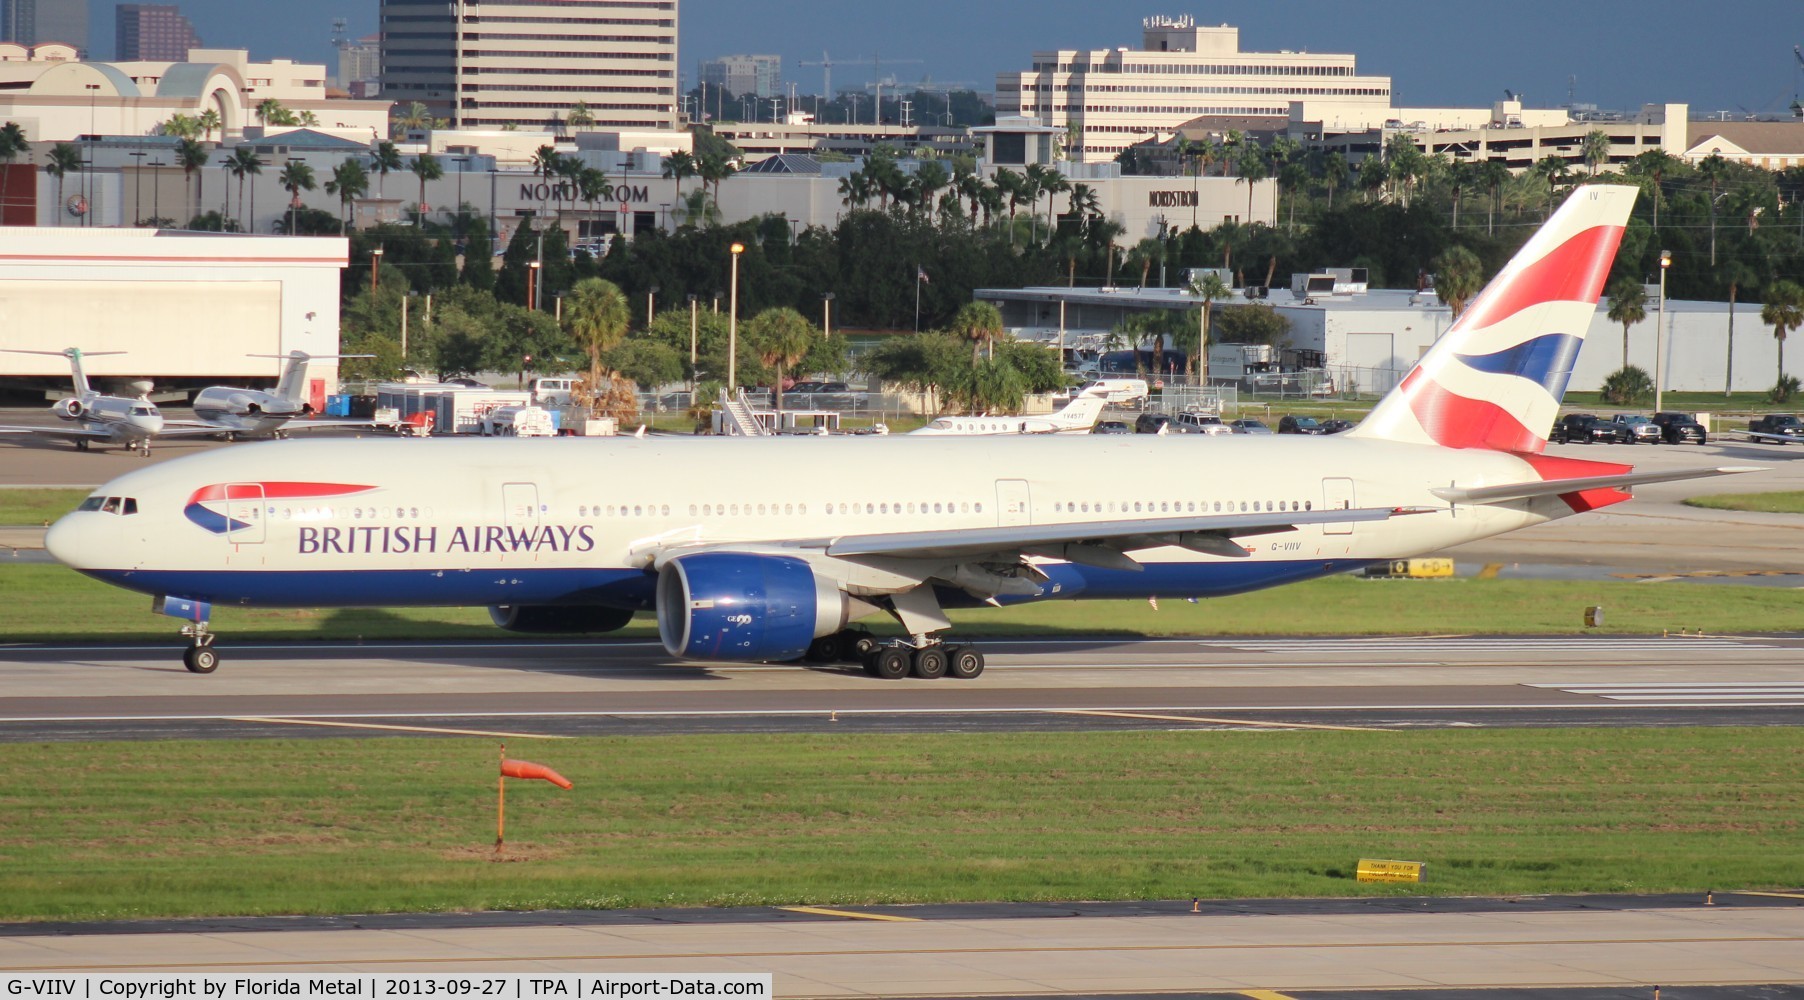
1146	253
781	338
1595	148
1628	306
646	363
209	122
1782	308
349	182
597	316
981	324
1627	386
1458	275
1654	165
426	167
243	162
1208	289
1334	174
416	117
1253	324
1251	167
1553	171
679	166
191	156
271	112
1493	175
295	178
182	126
386	157
1714	169
580	116
12	143
1738	276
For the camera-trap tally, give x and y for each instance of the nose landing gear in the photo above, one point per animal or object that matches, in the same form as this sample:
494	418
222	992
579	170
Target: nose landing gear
200	657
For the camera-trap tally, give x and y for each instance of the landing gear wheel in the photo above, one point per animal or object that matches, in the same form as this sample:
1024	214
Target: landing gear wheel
201	659
963	662
890	663
81	444
825	649
930	663
857	644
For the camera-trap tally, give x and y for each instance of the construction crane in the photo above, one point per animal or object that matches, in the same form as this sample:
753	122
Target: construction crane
827	63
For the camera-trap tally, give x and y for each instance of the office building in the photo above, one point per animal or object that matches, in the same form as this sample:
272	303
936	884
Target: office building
33	22
758	76
360	65
153	32
1110	99
530	64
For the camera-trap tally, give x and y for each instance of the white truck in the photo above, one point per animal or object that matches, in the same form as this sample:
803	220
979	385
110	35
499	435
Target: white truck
519	421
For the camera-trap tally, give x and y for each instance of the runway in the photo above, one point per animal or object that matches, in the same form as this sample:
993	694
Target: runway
523	689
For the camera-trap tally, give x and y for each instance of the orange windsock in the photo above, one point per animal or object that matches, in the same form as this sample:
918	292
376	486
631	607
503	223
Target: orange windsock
527	769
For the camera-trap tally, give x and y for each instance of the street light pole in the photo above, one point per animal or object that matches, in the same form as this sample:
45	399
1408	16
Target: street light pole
733	322
694	300
138	186
1660	337
375	268
651	301
826	315
405	303
532	285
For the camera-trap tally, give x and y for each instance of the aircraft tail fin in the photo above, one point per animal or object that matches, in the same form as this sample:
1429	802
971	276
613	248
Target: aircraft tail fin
1080	412
1495	378
76	373
293	386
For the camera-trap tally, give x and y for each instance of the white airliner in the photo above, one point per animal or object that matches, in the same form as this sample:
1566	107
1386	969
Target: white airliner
574	535
241	412
94	416
1077	417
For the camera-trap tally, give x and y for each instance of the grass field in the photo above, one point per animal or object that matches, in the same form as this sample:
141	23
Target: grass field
37	506
356	826
35	600
1767	503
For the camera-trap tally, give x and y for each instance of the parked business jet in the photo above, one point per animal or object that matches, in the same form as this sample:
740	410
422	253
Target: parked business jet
1077	417
738	564
98	417
241	412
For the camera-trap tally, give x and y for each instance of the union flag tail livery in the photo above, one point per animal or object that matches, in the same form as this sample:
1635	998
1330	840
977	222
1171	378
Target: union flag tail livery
1495	379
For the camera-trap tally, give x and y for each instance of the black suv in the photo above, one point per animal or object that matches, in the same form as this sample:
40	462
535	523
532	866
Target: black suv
1680	428
1589	428
1153	423
1299	425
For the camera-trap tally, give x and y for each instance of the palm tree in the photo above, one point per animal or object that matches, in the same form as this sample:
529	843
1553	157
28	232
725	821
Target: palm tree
1036	177
782	339
679	165
1628	306
981	324
244	162
1374	177
64	159
1783	310
426	167
580	116
930	179
191	156
1714	169
386	157
1052	183
593	186
349	182
1012	186
1334	174
209	123
296	177
854	189
12	143
1209	289
416	117
1460	175
1251	166
1654	163
1086	204
1492	174
714	167
1595	148
271	112
597	317
1739	276
1457	277
1146	253
1553	170
182	126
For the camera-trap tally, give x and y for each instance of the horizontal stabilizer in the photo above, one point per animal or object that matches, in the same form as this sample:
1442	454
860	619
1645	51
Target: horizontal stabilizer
1556	487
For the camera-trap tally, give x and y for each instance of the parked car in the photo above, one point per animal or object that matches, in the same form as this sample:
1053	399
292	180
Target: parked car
1249	425
1289	424
1589	428
805	387
1201	423
1111	427
1151	423
1643	429
466	382
1335	425
1680	428
1778	428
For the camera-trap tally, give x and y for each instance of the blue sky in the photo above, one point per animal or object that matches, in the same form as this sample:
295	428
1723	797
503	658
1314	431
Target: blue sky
1731	55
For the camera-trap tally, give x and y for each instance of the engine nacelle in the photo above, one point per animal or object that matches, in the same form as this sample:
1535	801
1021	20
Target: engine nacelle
739	606
69	409
550	619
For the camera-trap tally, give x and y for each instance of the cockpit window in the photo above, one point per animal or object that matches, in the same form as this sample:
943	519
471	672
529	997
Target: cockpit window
130	506
110	505
143	411
91	503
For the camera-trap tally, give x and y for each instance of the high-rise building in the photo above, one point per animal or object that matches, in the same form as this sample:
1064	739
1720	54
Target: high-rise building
153	32
33	22
759	76
1118	97
530	63
360	63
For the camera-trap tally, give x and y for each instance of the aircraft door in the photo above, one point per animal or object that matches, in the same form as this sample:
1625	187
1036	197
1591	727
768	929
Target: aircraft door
1337	494
245	513
1012	502
520	504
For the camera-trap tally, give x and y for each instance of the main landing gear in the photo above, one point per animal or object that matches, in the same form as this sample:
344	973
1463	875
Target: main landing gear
922	657
200	657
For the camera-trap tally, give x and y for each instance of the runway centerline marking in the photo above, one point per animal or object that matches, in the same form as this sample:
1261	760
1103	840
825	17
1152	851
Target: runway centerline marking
1782	895
1266	995
853	952
404	729
823	911
1216	722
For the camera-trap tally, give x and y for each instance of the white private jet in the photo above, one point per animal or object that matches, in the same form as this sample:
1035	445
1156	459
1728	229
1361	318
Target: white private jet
1077	417
577	535
95	416
240	412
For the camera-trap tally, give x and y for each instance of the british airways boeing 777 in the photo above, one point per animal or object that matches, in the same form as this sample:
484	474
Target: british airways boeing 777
567	535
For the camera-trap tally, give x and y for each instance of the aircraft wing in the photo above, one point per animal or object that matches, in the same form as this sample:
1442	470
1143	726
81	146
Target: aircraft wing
63	432
314	425
1555	487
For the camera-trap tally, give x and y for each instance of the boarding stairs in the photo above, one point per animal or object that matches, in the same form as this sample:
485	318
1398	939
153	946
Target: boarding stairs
740	419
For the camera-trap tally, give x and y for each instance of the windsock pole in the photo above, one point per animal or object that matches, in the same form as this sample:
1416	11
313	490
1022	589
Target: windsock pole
501	803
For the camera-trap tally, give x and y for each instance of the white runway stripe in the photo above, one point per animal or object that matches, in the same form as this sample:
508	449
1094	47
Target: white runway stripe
1719	692
1390	644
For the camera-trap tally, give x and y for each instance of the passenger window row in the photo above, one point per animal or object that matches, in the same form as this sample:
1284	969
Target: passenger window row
350	513
1178	506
